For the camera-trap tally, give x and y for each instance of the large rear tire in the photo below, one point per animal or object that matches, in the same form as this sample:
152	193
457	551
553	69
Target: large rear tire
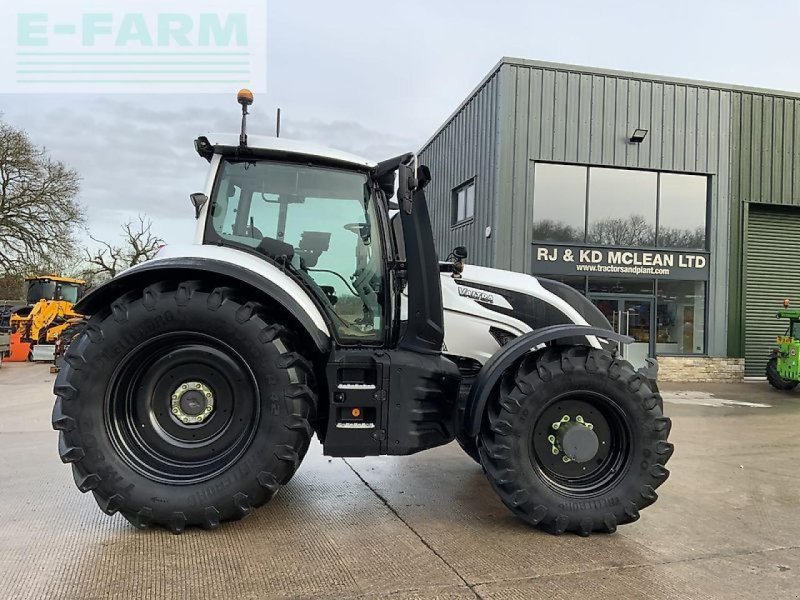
183	405
774	378
575	440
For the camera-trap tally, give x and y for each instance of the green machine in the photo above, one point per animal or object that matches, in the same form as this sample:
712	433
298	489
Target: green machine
783	367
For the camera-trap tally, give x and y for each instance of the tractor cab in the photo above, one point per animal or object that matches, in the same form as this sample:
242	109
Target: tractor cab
322	218
793	330
325	224
51	287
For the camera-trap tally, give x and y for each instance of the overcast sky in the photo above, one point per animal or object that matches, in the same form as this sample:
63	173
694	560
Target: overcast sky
377	78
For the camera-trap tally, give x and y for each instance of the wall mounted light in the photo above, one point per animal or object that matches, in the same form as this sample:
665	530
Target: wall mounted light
638	136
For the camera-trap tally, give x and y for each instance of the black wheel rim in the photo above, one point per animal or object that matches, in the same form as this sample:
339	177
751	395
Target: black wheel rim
153	421
611	427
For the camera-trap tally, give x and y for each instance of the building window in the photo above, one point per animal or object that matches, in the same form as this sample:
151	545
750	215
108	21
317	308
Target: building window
559	203
680	317
619	207
622	207
464	203
682	211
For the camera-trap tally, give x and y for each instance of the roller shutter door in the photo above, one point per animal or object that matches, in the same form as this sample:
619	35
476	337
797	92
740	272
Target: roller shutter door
772	269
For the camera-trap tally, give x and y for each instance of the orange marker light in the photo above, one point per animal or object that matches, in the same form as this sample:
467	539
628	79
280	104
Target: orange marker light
245	97
356	412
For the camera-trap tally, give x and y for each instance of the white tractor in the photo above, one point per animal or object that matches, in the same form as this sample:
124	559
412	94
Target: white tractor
313	303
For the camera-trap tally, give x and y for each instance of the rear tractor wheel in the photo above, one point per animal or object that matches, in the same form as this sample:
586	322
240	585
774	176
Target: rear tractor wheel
775	379
183	405
575	440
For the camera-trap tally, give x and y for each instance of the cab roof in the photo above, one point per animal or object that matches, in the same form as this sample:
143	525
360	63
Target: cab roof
55	278
228	145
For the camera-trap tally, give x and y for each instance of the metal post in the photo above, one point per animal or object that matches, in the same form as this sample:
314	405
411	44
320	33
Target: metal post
243	134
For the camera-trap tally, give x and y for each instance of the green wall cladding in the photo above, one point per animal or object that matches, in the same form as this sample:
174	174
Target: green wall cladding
765	169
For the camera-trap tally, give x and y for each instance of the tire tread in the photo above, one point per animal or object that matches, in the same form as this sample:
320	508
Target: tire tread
498	435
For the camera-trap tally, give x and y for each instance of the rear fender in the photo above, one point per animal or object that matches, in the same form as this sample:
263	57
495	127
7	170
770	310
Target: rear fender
491	372
269	287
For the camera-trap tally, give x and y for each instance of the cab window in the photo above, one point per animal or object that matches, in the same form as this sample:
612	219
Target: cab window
319	222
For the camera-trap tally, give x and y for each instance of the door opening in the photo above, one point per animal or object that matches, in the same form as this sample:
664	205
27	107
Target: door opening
633	316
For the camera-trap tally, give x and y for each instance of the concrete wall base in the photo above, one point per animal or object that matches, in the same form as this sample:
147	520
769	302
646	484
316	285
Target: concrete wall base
701	369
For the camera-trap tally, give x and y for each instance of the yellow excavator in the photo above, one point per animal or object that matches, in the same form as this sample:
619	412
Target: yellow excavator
49	312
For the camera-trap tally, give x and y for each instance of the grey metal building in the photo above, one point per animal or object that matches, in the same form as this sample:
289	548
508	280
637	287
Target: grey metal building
669	202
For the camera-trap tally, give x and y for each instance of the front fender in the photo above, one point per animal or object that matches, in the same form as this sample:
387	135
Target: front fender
220	273
493	369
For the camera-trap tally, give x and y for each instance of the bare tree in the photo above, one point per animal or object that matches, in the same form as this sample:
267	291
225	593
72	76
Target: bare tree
39	212
556	231
675	237
633	230
138	244
11	287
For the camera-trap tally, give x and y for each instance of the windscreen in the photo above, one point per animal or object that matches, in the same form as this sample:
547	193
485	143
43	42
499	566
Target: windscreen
319	221
68	292
41	289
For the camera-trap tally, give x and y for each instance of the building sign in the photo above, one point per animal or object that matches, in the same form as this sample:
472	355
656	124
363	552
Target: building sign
549	259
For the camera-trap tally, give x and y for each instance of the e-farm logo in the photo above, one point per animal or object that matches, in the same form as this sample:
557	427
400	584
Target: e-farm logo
133	46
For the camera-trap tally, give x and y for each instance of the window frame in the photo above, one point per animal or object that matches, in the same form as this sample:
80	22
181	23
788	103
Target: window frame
585	202
389	325
707	215
587	206
465	186
588	166
706	319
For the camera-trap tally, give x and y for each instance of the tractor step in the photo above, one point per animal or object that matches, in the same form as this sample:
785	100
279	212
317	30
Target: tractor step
389	402
357	381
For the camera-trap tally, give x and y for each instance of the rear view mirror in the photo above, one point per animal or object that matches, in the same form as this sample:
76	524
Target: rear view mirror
423	176
460	252
406	183
198	201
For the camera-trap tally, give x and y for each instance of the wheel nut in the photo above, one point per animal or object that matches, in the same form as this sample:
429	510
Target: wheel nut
175	411
197	385
185	419
183	387
551	439
208	394
555	450
566	459
174	396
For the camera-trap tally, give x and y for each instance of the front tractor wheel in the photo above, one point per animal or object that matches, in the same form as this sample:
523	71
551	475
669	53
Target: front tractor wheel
183	405
575	440
775	379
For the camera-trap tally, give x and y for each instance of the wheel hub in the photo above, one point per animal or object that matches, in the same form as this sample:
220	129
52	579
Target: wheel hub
575	438
580	443
192	402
